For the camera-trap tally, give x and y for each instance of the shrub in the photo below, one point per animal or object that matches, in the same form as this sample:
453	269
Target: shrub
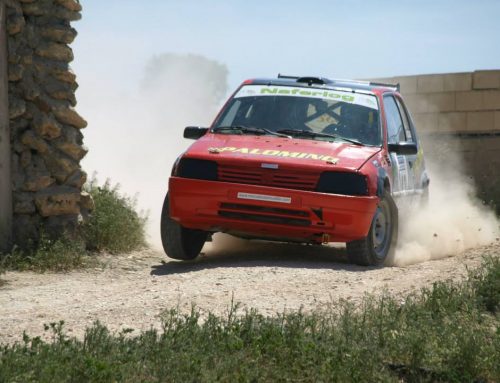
63	254
485	282
114	225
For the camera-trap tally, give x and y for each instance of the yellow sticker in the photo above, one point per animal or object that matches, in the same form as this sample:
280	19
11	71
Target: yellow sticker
276	153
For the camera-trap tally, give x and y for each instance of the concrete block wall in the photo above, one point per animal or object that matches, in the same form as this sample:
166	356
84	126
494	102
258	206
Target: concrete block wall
466	103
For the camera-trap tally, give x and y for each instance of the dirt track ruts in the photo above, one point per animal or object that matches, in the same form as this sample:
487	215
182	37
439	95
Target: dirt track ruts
131	291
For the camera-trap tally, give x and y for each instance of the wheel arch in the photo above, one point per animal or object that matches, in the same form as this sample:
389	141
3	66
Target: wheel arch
383	182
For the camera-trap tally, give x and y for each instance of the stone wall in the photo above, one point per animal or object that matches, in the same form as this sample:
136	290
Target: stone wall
41	136
45	129
459	113
5	182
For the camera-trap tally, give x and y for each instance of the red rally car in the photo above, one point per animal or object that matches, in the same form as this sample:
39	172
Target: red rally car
298	159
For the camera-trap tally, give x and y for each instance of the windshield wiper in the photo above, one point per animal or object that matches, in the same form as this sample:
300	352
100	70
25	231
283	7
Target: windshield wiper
307	133
248	129
355	142
310	133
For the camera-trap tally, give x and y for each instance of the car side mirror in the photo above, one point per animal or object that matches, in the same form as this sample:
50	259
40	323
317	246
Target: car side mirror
404	148
194	132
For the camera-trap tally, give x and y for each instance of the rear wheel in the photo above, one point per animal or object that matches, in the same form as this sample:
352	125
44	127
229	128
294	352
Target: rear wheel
382	237
179	242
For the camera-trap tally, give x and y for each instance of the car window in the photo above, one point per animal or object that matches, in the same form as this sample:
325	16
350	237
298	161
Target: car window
406	121
395	127
343	115
231	114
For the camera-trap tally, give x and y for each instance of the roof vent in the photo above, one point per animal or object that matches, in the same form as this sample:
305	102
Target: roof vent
307	79
313	80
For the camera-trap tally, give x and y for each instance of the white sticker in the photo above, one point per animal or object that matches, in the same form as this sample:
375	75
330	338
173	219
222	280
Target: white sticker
325	94
269	166
263	197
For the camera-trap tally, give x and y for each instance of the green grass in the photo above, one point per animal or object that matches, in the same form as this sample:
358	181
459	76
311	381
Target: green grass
114	226
448	333
63	254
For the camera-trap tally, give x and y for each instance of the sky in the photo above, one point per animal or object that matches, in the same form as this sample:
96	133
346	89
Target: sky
338	39
134	134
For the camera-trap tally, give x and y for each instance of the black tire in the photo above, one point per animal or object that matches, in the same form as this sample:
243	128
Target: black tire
381	241
179	242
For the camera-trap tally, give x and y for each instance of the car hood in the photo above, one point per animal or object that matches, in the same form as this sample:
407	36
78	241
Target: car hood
287	152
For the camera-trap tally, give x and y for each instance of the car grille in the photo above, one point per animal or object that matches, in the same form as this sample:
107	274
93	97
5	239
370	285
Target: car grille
265	214
268	177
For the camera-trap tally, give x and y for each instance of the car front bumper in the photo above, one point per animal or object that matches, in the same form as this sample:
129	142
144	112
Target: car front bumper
270	213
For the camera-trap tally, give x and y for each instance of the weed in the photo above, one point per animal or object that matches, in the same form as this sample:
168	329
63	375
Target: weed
444	333
58	255
114	225
485	282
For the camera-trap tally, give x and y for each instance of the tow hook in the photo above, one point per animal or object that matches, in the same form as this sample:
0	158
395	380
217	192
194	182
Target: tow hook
325	238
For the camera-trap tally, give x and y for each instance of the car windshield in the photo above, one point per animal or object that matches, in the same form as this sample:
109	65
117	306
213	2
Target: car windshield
308	113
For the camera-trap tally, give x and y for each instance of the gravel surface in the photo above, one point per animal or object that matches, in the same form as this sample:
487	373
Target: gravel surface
131	291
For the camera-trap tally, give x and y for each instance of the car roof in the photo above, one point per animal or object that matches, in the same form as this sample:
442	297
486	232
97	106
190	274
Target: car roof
322	82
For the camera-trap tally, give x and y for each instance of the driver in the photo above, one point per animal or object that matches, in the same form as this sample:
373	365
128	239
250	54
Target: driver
359	123
291	113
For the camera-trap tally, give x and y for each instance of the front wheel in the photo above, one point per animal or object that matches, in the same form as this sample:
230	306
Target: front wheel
179	242
381	240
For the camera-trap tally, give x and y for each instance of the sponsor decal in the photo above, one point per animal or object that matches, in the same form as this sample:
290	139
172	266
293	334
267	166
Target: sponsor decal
264	197
327	94
276	153
269	166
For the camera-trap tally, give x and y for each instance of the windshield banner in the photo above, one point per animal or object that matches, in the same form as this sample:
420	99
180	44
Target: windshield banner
326	94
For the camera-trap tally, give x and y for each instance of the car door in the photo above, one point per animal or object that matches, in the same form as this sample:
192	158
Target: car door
420	178
398	131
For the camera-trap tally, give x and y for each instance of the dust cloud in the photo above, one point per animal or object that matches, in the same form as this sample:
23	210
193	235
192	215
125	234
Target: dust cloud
453	220
136	136
223	242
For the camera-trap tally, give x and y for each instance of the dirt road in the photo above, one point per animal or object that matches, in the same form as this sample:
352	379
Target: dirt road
131	291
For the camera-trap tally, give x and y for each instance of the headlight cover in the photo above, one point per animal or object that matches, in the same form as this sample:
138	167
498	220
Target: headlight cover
197	169
344	183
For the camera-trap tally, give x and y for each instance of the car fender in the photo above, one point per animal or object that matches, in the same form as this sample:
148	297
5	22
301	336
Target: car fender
382	180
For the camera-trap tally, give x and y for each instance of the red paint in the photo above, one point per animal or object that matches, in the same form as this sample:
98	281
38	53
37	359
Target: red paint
197	204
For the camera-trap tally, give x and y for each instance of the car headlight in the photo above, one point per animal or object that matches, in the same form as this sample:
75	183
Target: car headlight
345	183
197	169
